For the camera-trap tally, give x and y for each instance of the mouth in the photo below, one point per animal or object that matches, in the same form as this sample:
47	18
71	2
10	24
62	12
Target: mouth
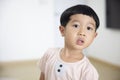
80	41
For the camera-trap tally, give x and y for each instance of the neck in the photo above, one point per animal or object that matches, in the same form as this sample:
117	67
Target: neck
69	55
71	52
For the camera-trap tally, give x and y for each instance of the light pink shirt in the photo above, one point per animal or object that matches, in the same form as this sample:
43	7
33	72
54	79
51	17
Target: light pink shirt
54	68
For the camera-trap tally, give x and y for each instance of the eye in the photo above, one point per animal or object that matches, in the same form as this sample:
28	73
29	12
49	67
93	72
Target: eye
75	25
89	28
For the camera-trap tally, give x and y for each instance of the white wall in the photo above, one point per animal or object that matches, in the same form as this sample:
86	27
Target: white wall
107	44
26	28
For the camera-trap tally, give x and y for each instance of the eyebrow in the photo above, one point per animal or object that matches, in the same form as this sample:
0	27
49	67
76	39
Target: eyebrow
88	22
92	24
74	20
79	21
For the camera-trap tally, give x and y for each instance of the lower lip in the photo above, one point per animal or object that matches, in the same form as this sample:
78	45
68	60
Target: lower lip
79	42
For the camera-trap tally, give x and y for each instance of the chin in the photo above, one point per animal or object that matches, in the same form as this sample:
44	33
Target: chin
79	48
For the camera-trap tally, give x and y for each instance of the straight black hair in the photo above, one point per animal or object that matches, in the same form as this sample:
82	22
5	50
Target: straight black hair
78	9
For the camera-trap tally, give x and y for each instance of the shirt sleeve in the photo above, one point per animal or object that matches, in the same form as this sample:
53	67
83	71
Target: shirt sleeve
90	73
42	62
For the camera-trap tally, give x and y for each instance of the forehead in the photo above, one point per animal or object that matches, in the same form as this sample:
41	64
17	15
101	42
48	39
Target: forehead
82	18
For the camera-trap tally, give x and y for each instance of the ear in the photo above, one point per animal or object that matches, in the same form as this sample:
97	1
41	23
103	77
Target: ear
62	30
96	34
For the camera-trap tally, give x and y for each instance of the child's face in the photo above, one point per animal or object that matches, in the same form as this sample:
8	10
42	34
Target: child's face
79	32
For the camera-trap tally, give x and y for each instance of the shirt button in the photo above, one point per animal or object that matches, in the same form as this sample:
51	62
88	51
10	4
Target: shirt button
61	65
58	70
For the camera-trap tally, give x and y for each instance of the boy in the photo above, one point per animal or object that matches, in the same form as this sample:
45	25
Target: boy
78	27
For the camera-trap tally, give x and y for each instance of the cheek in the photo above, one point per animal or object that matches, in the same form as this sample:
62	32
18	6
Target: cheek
70	36
90	39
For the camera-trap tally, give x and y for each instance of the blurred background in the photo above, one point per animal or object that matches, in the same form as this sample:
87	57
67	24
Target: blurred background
29	27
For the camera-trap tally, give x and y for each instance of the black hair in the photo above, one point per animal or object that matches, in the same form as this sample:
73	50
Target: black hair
78	9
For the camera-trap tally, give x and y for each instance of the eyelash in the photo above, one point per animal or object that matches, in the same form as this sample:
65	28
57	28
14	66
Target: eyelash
75	25
89	28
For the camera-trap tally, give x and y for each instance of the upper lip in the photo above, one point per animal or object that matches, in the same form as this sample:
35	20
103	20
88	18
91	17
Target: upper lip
81	39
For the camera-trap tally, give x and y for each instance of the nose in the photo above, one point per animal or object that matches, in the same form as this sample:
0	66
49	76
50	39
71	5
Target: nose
81	32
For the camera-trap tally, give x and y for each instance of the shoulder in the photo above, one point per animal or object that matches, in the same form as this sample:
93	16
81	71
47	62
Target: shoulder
53	49
47	56
89	71
88	65
51	52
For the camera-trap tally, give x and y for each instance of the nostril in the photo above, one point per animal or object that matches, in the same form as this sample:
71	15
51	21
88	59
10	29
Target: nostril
82	34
